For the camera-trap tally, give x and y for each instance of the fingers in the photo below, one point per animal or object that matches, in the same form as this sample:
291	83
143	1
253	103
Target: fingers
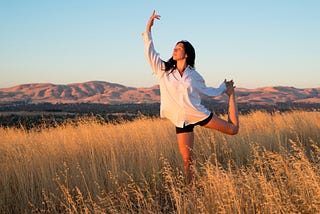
155	16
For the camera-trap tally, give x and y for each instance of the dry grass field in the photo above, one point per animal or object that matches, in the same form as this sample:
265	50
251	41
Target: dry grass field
271	166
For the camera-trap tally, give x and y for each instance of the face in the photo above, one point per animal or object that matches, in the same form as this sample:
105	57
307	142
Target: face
179	52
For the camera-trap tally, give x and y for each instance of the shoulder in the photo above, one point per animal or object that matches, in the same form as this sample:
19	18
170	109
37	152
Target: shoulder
195	74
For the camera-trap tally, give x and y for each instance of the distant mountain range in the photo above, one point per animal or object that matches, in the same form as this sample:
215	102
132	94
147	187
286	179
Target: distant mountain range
111	93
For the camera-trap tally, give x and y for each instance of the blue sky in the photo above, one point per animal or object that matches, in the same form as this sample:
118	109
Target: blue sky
256	43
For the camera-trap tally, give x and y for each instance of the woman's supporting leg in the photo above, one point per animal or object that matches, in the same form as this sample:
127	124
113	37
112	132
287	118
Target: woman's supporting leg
233	116
232	125
185	142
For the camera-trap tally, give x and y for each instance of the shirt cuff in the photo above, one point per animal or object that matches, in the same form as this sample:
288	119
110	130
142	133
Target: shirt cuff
146	36
223	87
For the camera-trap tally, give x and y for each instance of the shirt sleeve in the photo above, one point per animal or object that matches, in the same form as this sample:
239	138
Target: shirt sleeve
209	91
153	57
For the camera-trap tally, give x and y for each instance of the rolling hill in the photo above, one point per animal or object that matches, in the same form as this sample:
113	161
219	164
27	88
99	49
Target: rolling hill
112	93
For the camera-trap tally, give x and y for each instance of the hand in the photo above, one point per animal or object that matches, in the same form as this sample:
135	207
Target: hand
230	87
151	19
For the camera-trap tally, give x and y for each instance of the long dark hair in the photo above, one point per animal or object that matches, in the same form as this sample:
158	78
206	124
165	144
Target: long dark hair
171	64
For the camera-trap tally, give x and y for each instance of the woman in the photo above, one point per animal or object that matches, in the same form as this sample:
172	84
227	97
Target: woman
180	87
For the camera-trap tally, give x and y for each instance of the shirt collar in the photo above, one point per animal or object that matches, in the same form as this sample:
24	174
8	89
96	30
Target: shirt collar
187	70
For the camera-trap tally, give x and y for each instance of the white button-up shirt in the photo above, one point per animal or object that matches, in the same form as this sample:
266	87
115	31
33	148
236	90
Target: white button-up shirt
180	95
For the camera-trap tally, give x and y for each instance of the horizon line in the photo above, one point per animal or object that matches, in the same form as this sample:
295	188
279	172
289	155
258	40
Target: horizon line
129	86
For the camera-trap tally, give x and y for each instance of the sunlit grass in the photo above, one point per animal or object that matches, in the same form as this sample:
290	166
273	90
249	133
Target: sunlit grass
271	166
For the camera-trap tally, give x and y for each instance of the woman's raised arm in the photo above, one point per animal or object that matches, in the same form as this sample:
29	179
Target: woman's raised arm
152	56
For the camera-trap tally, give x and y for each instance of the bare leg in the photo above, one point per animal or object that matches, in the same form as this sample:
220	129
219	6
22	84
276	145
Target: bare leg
232	125
185	142
233	116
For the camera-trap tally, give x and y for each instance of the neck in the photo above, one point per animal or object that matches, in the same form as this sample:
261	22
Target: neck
181	65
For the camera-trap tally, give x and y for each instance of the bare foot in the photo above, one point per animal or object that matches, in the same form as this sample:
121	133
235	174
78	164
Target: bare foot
230	88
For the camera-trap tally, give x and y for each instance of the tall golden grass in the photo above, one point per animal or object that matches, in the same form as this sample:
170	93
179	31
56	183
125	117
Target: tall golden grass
271	166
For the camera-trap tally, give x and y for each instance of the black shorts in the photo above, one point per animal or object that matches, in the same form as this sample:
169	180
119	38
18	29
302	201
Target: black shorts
189	128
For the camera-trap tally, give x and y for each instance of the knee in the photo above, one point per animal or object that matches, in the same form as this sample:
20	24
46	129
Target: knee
234	130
